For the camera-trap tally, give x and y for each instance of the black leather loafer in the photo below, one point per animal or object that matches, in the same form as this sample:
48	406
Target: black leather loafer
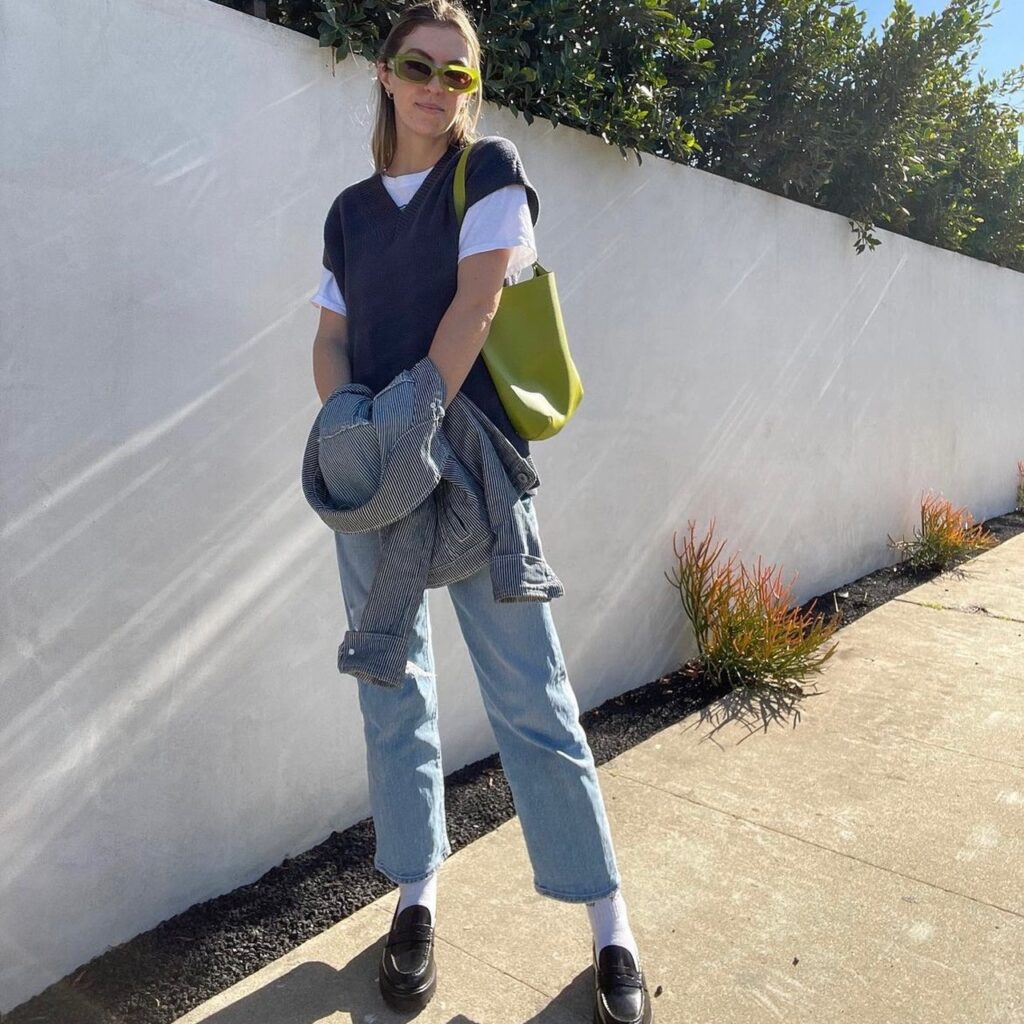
408	974
620	989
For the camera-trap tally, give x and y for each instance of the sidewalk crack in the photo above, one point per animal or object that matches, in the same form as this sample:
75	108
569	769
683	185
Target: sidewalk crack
817	845
966	609
440	937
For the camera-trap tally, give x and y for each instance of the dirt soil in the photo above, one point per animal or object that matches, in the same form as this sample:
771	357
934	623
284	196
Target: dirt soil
160	975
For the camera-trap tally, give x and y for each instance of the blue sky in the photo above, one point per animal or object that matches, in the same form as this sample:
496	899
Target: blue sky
1002	45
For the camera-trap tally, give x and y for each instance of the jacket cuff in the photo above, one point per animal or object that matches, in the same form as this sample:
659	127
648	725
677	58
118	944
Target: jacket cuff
379	657
523	578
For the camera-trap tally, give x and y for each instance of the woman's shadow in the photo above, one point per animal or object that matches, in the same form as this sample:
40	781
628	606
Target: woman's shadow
313	991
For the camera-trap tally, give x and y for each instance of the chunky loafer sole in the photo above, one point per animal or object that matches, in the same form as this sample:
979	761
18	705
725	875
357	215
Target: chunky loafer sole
415	999
620	990
410	941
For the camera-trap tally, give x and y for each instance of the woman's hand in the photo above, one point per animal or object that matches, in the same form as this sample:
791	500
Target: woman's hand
332	366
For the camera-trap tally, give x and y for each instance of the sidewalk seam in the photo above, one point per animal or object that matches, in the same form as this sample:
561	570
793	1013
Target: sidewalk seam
966	753
975	610
819	846
438	937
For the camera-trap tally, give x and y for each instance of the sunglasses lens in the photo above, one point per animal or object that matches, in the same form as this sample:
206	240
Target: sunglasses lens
415	70
455	78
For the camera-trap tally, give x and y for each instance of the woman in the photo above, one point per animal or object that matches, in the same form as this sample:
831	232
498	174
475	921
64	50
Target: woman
401	281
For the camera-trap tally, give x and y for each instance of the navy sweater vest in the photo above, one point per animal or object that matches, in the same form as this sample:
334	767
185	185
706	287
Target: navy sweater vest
398	268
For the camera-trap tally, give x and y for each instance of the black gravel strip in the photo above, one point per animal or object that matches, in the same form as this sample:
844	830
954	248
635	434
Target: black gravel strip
160	975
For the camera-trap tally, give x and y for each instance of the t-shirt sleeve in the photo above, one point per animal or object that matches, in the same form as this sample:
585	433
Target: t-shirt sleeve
494	163
333	274
334	249
329	294
501	220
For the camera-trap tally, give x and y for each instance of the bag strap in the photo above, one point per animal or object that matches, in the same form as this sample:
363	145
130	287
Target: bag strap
460	182
460	198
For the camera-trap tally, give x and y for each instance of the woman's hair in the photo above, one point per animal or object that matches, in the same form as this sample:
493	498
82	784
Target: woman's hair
425	12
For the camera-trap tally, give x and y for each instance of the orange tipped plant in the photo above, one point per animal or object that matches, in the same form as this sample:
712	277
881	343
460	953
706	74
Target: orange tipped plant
947	536
747	632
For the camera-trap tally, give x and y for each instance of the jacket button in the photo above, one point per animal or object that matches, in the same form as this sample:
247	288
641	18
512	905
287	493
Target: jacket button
351	650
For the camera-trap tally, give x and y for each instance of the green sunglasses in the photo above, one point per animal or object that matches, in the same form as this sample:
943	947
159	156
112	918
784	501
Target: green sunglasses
453	76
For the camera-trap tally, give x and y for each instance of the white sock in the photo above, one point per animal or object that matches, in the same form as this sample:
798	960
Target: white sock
423	892
610	924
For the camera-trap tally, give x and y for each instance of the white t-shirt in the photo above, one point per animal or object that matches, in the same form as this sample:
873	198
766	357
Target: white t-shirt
501	220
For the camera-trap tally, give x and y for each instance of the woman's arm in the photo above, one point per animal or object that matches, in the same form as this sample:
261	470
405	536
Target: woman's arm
466	323
331	364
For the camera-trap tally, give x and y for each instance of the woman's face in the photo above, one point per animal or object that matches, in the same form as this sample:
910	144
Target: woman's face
428	108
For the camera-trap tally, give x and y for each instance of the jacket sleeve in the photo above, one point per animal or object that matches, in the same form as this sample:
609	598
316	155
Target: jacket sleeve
493	163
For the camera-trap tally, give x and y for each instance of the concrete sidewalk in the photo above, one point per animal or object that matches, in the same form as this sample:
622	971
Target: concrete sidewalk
857	855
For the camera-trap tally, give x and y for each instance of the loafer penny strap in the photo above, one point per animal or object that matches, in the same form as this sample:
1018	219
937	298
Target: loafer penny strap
411	933
611	977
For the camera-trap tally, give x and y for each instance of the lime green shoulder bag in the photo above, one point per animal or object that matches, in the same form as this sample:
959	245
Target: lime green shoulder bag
526	352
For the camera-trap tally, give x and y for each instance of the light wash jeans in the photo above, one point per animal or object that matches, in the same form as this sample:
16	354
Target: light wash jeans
532	709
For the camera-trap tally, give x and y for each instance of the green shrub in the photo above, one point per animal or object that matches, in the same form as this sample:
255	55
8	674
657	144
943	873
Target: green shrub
947	536
789	96
746	630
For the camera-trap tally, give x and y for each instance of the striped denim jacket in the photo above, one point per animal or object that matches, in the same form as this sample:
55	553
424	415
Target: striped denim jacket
442	485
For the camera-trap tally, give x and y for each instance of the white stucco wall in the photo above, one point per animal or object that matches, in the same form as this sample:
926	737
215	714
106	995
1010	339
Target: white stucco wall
172	723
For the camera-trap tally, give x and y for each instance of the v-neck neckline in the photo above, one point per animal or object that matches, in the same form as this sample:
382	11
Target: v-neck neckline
400	213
